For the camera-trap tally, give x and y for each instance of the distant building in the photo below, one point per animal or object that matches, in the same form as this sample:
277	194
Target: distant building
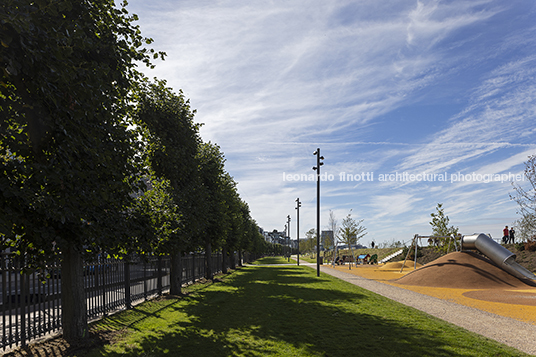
274	237
264	234
326	238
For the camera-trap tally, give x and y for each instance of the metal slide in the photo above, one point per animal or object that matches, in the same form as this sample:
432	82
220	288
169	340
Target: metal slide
501	256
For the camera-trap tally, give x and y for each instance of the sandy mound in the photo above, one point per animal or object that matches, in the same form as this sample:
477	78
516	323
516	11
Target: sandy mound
462	270
398	265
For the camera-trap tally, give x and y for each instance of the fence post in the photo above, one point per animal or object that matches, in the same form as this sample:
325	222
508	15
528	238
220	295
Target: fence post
202	266
104	309
159	278
144	280
193	268
127	285
4	267
23	296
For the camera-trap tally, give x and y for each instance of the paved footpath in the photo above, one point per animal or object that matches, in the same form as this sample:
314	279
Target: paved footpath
514	333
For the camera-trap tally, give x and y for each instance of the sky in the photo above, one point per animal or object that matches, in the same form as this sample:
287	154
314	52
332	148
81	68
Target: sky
412	103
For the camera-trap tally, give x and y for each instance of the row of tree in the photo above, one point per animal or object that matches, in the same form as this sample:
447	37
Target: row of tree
98	159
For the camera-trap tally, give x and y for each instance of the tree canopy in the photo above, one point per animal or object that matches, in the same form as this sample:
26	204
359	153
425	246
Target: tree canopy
526	200
68	156
69	164
351	231
169	143
95	157
441	232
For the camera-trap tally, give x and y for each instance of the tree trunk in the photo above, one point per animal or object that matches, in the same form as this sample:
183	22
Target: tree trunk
224	260
175	274
73	297
239	258
208	260
232	259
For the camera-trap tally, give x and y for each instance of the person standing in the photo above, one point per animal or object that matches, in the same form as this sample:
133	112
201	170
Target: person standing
505	235
512	235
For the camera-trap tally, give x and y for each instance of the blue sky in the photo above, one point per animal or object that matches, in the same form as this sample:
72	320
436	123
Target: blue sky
408	87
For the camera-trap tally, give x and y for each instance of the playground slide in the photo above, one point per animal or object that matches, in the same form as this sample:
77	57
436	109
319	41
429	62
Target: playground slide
498	254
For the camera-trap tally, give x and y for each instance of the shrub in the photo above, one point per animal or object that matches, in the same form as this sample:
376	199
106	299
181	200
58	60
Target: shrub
520	246
530	245
412	253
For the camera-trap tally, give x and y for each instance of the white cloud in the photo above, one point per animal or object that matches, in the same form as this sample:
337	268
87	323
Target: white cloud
502	108
432	21
393	205
273	81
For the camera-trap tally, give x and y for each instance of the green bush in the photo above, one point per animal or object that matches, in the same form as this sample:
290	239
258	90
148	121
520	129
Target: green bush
520	246
411	254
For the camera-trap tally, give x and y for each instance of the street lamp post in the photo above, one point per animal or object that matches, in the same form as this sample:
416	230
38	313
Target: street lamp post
284	250
288	237
317	168
298	205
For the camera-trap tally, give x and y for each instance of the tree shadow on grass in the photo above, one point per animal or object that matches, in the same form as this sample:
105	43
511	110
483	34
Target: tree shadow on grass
120	321
289	311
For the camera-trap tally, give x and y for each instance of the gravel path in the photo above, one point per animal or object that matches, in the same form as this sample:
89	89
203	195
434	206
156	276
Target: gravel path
517	334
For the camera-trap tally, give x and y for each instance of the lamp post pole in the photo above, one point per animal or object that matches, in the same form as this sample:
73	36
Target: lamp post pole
317	168
283	246
298	205
288	237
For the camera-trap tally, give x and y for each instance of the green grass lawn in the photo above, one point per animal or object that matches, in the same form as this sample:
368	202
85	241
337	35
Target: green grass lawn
285	311
274	260
307	258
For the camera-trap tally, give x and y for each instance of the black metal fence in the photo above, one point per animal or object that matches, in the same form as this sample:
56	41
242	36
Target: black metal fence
30	304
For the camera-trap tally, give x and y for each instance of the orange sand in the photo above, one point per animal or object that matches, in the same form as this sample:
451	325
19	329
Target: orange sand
461	277
398	265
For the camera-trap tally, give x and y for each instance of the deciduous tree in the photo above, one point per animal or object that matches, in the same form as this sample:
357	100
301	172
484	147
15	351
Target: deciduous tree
211	171
333	226
526	200
444	235
67	154
351	232
170	140
309	244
